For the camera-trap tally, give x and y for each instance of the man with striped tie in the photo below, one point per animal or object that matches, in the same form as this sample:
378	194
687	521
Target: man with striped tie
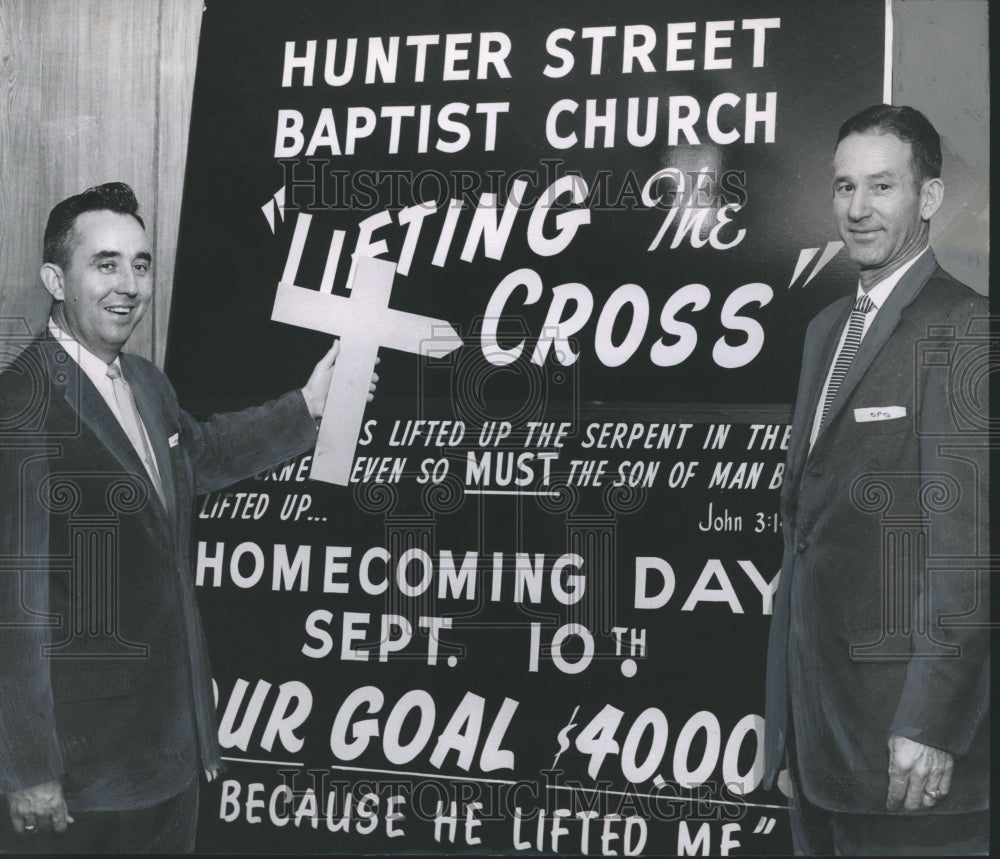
878	662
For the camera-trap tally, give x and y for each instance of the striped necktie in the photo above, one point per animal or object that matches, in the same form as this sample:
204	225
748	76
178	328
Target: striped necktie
133	427
855	331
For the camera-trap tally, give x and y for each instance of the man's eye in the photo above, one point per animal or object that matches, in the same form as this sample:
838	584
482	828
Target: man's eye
142	267
882	187
106	267
844	189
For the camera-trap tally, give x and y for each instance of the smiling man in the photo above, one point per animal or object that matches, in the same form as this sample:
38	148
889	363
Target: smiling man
878	662
106	710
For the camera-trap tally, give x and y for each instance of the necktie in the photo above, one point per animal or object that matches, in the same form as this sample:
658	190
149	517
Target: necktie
133	426
855	329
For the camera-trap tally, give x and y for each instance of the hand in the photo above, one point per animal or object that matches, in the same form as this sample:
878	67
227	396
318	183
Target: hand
785	784
318	386
919	775
39	809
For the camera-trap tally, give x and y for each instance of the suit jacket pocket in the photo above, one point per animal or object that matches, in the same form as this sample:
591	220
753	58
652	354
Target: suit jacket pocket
85	684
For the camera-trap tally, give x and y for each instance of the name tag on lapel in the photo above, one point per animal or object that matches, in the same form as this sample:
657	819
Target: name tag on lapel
879	413
174	440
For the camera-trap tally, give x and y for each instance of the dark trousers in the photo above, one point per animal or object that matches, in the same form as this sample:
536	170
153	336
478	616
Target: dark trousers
168	827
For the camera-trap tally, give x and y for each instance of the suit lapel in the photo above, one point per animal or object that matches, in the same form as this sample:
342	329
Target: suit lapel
817	355
156	427
881	329
87	402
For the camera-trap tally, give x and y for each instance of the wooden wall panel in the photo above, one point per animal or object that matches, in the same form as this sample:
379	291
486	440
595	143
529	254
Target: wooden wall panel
21	303
941	66
180	23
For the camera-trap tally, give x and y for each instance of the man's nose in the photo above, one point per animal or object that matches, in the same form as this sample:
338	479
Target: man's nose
128	283
860	205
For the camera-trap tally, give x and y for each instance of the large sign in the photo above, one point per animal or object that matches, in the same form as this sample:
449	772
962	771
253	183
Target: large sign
519	602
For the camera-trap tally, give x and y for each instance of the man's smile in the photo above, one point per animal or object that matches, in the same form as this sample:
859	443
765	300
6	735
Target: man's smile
121	309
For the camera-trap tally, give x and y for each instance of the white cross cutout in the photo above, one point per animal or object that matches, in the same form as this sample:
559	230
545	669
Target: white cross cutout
365	323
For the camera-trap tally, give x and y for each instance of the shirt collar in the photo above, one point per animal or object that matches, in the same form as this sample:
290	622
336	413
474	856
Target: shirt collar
880	292
95	368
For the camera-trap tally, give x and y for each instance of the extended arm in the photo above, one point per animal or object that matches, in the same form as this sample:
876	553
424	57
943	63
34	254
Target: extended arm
236	445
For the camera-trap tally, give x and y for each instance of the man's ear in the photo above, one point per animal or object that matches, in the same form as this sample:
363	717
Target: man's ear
52	280
931	197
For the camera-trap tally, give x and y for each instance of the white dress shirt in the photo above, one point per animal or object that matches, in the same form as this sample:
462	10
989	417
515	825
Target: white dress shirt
878	295
97	371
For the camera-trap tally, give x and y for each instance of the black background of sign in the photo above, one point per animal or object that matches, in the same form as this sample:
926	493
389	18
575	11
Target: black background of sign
824	63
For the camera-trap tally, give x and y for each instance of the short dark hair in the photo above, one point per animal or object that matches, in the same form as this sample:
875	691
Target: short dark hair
910	126
59	231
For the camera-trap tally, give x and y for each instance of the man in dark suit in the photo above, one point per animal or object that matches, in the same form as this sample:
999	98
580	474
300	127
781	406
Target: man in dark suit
878	662
106	710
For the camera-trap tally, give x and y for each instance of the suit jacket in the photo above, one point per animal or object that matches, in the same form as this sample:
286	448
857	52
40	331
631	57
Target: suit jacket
104	681
879	617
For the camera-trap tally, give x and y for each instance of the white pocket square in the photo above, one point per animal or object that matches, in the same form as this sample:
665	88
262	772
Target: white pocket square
174	440
879	413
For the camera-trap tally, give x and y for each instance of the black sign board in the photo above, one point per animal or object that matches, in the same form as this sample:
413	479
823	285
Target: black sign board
535	616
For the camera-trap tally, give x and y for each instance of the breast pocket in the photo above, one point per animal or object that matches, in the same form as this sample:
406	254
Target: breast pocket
862	447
